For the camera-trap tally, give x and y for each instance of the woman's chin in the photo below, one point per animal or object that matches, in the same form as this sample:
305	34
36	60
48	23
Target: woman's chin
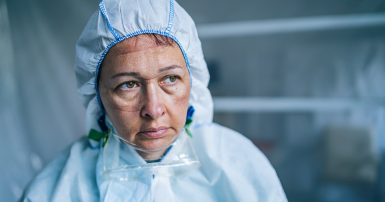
154	144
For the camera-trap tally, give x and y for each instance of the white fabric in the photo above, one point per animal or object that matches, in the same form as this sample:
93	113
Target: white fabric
233	169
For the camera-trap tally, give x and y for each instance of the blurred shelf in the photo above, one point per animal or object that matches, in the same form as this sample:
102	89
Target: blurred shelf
253	104
260	27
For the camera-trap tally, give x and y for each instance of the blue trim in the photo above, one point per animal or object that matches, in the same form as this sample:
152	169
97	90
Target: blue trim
190	112
171	17
112	30
126	37
92	147
168	149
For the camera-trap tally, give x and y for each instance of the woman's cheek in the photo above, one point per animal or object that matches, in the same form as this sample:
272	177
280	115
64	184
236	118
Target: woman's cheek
179	107
177	94
126	123
182	95
129	102
181	100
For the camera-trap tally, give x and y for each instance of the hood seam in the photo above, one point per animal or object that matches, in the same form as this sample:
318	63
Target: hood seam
171	17
104	13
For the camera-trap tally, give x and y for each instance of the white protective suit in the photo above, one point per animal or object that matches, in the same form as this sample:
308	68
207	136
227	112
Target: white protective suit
232	168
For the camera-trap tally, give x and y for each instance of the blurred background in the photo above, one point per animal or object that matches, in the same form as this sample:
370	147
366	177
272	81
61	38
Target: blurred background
304	80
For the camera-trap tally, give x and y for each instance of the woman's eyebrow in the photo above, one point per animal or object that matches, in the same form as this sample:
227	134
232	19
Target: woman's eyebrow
126	74
136	74
169	68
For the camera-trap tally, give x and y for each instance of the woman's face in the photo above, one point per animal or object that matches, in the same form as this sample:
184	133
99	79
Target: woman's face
145	88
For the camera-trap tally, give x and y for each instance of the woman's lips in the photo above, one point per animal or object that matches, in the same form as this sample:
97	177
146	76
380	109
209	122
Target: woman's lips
154	132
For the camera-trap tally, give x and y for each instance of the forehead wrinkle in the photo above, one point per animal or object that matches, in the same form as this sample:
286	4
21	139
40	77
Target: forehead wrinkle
151	65
134	48
171	67
156	74
134	44
135	74
162	70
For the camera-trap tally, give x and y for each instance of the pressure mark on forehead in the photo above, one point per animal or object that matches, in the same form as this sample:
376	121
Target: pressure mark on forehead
141	42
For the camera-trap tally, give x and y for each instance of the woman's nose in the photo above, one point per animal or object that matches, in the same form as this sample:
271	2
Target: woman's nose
153	107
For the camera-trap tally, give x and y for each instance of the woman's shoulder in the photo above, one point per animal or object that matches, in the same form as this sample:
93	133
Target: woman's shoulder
229	159
226	144
69	174
225	140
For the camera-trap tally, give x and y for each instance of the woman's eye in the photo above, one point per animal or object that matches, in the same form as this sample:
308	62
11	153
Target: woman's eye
129	85
171	79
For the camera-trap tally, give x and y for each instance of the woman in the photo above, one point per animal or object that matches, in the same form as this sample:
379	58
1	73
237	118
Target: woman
143	80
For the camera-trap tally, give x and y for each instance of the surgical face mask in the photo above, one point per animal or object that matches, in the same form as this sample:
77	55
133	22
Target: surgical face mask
122	162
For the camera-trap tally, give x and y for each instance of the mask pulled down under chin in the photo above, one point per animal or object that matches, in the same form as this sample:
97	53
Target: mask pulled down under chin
122	162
